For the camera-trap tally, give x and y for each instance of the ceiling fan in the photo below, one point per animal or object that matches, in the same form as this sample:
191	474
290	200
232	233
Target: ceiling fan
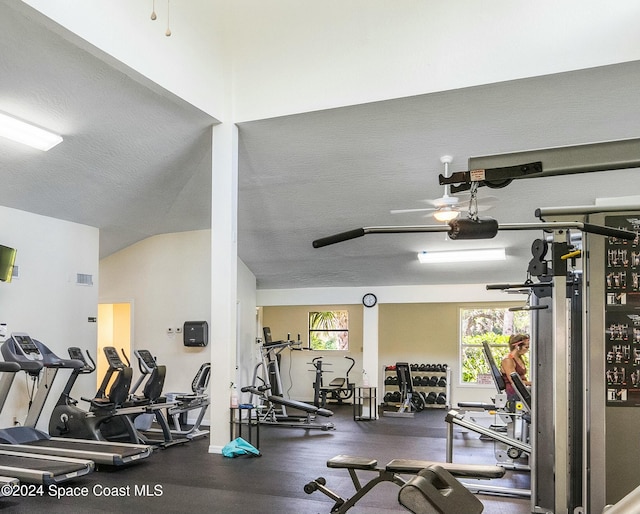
447	207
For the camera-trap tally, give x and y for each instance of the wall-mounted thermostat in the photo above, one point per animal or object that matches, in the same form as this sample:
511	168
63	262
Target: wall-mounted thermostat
195	333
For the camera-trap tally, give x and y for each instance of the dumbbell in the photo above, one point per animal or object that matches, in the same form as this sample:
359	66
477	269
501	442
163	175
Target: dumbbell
422	367
431	398
414	367
441	399
417	381
388	398
433	381
396	396
442	382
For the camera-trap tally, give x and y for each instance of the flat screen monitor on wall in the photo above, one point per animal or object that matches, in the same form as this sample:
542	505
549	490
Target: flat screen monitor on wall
7	259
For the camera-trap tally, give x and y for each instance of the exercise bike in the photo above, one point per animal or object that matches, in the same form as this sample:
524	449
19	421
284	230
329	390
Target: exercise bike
339	389
69	420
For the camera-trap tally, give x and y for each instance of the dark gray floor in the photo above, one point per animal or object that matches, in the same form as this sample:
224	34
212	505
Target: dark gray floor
189	479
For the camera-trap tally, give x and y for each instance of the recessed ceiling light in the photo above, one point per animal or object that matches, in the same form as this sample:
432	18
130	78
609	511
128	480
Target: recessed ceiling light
27	134
486	254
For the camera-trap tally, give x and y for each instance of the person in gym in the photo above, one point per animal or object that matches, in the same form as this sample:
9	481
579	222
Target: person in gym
518	345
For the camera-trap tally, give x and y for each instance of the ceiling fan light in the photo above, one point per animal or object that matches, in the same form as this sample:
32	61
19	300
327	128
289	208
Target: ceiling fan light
446	214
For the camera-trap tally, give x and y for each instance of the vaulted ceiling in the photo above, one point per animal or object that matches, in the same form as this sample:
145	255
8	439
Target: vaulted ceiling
136	161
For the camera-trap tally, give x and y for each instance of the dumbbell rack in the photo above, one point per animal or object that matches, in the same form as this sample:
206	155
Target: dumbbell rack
423	376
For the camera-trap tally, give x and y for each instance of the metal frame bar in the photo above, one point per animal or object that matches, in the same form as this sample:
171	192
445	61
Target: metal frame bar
565	160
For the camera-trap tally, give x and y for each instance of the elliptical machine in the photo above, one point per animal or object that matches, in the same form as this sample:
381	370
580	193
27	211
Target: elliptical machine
178	404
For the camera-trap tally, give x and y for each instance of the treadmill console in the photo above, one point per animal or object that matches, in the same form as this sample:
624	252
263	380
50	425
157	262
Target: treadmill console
25	346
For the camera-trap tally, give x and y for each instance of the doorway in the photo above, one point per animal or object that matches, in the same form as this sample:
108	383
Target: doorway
114	329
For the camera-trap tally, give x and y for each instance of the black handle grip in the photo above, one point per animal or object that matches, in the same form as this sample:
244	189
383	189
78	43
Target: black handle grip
254	389
609	231
338	238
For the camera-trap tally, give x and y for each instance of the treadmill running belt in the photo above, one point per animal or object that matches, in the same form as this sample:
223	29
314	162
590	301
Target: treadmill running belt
123	451
41	470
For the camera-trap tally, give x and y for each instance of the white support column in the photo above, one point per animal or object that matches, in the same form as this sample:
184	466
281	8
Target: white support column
370	347
224	279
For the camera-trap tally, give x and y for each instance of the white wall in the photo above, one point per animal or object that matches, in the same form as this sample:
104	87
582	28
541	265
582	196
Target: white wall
166	278
247	355
189	63
292	56
45	300
306	56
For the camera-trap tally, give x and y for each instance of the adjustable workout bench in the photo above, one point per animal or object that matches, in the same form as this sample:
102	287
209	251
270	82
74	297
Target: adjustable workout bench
270	417
390	473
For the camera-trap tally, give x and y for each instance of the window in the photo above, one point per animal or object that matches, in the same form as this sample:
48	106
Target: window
329	330
493	325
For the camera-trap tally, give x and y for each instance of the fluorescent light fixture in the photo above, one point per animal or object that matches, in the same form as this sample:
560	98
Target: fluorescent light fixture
27	134
446	214
487	254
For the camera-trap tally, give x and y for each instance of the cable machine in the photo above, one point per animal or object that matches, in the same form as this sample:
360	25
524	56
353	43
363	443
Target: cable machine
572	391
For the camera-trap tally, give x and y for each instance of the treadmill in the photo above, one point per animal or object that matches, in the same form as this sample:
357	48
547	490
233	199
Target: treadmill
30	468
29	354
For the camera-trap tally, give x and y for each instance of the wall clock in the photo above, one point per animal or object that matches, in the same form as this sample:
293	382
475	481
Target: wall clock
369	300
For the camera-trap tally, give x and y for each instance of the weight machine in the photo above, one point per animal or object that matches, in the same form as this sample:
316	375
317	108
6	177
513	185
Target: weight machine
338	390
267	389
569	418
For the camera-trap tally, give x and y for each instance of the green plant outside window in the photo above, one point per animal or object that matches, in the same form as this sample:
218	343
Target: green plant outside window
493	325
329	330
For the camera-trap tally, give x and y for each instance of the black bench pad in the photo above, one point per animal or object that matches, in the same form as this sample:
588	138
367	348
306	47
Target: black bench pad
457	470
347	461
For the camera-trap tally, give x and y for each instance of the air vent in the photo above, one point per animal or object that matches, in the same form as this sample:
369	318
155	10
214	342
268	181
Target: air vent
82	279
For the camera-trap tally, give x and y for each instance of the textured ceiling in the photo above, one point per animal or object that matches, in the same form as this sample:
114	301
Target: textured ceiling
136	161
311	175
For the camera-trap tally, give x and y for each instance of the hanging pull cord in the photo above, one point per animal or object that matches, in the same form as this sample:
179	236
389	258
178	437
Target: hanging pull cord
168	32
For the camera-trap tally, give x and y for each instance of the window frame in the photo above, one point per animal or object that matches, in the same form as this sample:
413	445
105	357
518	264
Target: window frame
501	345
344	313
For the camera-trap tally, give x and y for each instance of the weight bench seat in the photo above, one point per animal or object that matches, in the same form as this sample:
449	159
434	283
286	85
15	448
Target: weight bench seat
432	481
336	383
412	466
349	462
457	470
305	407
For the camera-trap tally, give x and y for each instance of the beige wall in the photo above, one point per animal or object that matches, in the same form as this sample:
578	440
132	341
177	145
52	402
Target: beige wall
423	333
418	333
297	374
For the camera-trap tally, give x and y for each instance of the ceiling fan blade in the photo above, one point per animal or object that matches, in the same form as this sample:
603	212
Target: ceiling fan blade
446	201
404	211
